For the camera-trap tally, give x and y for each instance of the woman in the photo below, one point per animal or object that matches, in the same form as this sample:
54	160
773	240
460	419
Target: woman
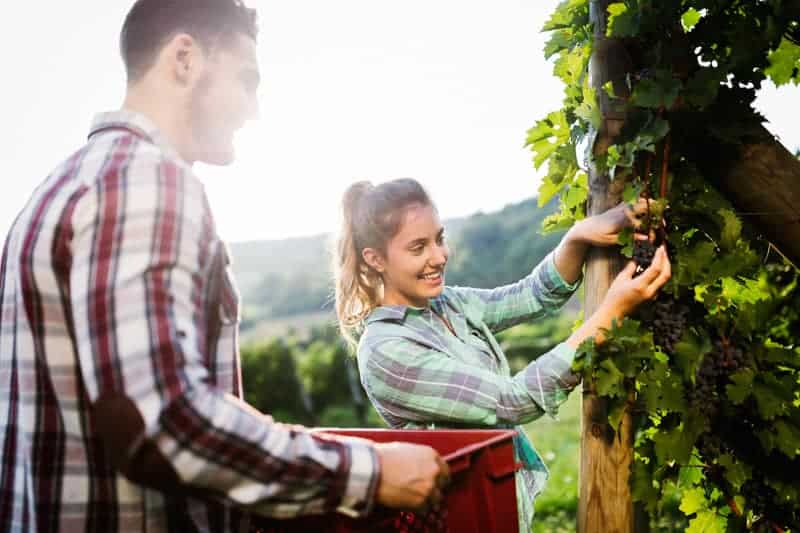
427	352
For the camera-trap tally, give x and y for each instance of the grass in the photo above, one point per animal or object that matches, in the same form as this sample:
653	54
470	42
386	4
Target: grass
558	442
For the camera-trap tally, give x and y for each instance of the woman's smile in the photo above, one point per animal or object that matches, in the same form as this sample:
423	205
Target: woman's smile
433	279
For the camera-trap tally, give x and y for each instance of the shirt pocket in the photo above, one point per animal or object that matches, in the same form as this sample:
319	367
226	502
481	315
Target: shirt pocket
229	298
223	307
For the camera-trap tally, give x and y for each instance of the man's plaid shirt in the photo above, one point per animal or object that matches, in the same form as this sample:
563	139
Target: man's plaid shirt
118	353
420	375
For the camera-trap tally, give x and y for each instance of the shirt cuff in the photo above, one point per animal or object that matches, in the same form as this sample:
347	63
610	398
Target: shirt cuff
564	352
555	276
362	480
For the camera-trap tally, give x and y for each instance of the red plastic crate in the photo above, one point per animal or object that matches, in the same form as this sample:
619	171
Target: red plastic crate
481	497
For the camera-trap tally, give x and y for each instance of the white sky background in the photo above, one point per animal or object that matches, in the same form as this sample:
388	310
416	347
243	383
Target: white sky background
439	90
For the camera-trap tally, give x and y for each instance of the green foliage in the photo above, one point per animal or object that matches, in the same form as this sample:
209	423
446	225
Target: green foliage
784	63
695	69
312	382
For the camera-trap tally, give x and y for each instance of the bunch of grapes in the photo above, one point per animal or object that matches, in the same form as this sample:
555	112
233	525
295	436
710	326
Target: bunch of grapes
704	395
723	360
760	496
730	356
643	252
669	322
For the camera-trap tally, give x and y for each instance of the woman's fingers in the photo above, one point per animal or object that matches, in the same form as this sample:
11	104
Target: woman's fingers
657	274
629	270
652	272
665	274
635	211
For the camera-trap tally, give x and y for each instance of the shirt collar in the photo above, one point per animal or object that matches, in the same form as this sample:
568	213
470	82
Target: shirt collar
136	123
398	313
395	313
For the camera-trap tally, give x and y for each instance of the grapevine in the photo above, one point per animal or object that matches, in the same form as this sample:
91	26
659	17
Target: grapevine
714	362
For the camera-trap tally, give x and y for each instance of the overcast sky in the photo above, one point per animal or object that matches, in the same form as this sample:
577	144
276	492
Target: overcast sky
439	90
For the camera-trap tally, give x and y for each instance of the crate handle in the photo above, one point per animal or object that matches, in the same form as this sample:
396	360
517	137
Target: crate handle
459	464
460	459
497	475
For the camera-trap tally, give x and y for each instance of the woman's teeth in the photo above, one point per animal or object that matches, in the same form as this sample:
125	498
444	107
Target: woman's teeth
431	276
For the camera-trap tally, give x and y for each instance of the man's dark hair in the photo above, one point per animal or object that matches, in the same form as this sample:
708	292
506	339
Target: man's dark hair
150	24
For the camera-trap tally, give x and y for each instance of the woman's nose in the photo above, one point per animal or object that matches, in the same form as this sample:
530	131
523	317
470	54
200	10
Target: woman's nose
440	255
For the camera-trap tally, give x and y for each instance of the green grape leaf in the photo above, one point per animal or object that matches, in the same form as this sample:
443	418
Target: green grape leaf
689	352
787	438
692	473
642	487
559	40
731	229
547	136
609	379
736	472
769	403
570	66
677	443
693	500
557	222
625	239
703	87
584	355
690	19
730	264
662	390
588	110
568	14
784	63
574	197
660	91
780	355
708	522
742	385
632	192
615	413
622	22
548	189
692	262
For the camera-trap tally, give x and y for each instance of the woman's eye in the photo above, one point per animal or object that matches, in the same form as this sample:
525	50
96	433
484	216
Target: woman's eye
417	250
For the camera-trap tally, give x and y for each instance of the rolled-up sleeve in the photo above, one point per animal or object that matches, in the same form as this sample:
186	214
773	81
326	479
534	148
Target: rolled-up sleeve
543	292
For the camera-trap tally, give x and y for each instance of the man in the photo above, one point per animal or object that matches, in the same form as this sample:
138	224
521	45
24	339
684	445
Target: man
120	394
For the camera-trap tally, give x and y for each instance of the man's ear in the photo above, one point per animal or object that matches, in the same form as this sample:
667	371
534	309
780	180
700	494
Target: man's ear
373	259
185	58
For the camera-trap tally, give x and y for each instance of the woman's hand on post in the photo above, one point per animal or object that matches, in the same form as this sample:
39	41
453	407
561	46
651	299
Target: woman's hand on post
604	229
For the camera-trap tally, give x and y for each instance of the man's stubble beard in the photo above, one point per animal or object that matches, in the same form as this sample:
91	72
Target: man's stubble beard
205	134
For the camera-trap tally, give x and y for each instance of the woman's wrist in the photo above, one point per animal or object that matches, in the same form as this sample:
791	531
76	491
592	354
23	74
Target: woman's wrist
576	236
601	319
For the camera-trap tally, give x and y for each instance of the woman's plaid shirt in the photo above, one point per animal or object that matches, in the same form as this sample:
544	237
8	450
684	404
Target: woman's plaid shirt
420	375
118	353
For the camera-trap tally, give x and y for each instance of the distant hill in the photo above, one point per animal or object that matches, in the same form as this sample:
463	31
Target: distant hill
280	279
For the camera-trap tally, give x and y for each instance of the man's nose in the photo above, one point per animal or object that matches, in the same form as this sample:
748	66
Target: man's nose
254	111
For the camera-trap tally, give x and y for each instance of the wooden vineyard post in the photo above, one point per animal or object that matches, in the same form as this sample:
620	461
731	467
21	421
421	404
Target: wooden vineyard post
604	503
